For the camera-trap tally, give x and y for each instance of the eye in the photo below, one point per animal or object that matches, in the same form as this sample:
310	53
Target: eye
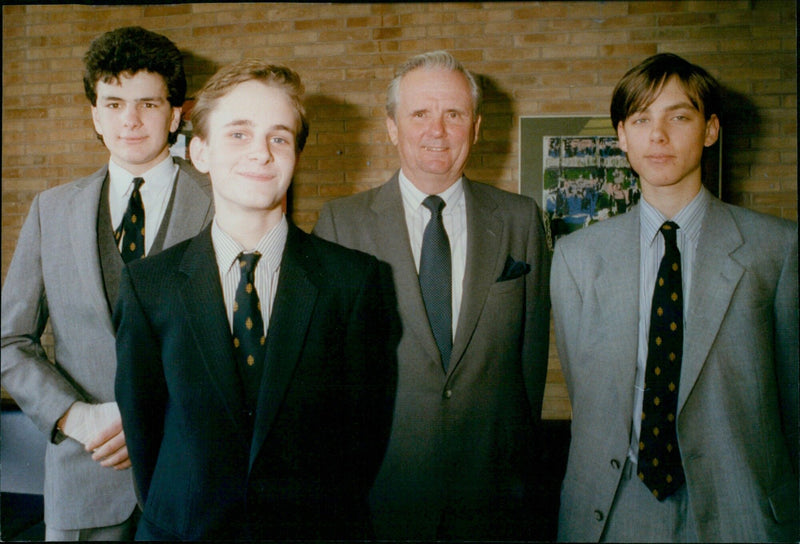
112	105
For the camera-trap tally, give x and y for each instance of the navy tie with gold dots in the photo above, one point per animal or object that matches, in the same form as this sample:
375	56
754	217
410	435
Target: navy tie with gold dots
131	229
659	464
249	339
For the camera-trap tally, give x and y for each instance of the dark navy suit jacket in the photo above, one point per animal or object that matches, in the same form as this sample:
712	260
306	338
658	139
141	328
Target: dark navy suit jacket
324	411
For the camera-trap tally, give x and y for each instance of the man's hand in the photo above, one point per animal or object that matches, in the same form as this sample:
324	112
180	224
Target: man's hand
109	448
99	428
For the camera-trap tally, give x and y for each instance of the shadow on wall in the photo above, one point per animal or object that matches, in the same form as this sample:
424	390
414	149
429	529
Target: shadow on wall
497	131
741	120
198	69
339	158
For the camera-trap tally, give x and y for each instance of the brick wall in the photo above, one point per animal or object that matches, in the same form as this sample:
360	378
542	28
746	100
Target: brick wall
535	58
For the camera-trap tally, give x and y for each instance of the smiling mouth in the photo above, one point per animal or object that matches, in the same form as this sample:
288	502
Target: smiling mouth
659	158
258	176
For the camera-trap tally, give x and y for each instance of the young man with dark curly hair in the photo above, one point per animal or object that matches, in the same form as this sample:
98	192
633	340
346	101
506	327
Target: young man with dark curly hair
66	269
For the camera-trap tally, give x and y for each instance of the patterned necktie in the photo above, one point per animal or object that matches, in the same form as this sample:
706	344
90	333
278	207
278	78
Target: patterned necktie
435	278
659	455
131	229
249	340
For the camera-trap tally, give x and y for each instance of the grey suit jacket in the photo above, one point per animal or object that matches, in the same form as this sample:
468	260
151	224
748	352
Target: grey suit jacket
55	273
458	453
738	399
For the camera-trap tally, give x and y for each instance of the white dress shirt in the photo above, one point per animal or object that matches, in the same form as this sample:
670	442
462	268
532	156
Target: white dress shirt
267	272
454	217
652	247
156	191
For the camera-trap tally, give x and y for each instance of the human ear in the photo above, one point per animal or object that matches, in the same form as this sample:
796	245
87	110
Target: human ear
623	139
198	151
391	127
175	122
712	131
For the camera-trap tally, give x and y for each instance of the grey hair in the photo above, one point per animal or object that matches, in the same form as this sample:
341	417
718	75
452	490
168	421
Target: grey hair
429	61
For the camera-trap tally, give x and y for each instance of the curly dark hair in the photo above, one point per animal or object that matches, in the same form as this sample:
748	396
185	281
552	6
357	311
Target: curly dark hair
132	49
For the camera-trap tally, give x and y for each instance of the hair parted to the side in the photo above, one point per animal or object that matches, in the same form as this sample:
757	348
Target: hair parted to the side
232	75
129	50
432	60
641	85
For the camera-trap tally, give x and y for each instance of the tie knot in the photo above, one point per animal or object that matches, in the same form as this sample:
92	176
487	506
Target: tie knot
248	261
670	232
434	203
137	183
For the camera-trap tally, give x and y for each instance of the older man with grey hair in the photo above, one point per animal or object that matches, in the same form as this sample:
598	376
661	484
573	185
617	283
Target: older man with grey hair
470	267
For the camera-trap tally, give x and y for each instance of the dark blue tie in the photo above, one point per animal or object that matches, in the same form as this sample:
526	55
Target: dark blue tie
435	278
131	229
659	461
249	340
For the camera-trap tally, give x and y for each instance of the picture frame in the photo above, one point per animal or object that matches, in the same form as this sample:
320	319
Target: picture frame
574	169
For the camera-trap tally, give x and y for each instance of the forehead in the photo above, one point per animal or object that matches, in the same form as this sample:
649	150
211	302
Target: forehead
142	83
672	93
425	84
256	102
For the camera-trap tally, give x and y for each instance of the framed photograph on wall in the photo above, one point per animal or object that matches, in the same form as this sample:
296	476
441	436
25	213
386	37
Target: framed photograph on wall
575	170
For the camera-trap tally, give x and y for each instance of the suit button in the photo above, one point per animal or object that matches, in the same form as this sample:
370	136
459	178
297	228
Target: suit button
598	515
615	464
448	393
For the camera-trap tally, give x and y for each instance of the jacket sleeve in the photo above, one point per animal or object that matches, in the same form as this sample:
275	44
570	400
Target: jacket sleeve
373	332
37	384
786	346
536	344
140	385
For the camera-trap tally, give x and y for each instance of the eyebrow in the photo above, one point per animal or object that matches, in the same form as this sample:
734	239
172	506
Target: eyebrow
144	99
248	123
681	106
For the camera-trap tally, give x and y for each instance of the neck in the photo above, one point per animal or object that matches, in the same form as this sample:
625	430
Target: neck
433	186
669	200
248	228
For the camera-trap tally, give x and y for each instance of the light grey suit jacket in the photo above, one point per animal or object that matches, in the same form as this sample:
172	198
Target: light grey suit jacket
460	441
55	273
738	398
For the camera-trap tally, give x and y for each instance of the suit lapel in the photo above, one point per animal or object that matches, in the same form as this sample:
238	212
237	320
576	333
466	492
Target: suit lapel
394	247
616	294
485	261
714	279
205	312
191	208
82	207
291	314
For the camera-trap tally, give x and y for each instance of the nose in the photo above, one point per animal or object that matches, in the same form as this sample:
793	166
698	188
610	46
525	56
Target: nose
131	116
437	126
260	151
657	131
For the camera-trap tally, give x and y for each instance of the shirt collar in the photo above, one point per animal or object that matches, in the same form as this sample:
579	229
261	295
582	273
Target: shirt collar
413	197
155	179
689	219
270	246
